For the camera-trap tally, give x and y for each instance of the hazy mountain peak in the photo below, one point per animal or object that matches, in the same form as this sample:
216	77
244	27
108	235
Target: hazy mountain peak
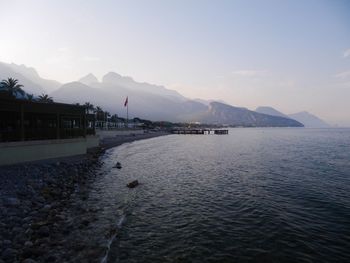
115	78
24	70
28	77
88	79
112	80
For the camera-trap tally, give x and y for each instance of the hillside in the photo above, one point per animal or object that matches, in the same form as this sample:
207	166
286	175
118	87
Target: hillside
144	104
28	77
309	120
225	114
270	111
30	87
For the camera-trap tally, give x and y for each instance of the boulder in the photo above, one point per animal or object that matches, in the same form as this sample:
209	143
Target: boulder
133	184
118	165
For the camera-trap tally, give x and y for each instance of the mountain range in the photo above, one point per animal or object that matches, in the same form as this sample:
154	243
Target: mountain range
28	77
146	100
309	120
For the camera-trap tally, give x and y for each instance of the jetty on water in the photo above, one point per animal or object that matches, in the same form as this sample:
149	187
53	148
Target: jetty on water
200	131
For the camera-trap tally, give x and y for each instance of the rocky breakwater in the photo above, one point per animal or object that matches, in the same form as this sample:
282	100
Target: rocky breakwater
35	205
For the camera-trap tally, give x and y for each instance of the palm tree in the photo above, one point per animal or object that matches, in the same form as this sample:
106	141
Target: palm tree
30	97
12	87
97	110
45	98
89	107
99	113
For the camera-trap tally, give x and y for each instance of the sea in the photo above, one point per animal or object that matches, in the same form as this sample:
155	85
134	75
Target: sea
255	195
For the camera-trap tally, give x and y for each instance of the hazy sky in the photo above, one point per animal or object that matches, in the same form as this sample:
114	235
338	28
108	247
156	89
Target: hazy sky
292	55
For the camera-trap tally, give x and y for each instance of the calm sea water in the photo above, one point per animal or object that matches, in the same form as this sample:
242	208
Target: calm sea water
255	195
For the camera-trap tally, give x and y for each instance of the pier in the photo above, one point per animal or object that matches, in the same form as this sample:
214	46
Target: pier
200	131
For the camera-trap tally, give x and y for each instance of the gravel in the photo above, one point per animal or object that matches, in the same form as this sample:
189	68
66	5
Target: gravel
34	204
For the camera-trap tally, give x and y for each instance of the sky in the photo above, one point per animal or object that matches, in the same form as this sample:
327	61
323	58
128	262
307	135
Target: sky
291	55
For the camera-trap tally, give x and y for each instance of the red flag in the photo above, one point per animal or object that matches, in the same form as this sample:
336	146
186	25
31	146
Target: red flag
126	102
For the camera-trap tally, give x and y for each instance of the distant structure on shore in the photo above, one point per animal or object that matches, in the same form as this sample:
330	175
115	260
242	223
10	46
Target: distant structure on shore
200	131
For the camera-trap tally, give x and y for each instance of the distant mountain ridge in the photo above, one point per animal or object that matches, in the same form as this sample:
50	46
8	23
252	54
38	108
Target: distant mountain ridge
225	114
158	103
89	79
7	71
28	77
307	119
146	100
114	79
111	96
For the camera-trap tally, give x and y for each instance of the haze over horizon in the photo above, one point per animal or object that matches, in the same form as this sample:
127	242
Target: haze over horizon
289	55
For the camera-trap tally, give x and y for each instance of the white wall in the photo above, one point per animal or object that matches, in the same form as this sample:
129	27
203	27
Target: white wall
27	151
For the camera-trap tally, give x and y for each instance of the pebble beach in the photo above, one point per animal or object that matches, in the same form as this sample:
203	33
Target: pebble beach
42	203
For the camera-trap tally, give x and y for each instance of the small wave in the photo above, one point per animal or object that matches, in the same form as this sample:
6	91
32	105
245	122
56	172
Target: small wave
113	237
121	221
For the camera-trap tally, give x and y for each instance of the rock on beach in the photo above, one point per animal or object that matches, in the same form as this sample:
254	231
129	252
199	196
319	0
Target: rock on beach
34	199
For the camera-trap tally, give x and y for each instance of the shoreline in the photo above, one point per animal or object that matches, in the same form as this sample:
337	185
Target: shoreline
38	209
118	140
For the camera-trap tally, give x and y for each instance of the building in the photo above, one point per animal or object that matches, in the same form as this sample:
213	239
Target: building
51	127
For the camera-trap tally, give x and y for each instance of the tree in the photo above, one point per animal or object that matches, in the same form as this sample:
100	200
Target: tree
114	118
45	98
30	97
12	87
98	109
89	107
99	113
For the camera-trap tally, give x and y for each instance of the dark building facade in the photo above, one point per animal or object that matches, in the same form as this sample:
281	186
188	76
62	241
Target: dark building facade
23	120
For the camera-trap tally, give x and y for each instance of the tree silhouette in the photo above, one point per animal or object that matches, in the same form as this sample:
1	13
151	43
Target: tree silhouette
99	113
89	107
45	98
12	87
98	109
114	118
30	97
